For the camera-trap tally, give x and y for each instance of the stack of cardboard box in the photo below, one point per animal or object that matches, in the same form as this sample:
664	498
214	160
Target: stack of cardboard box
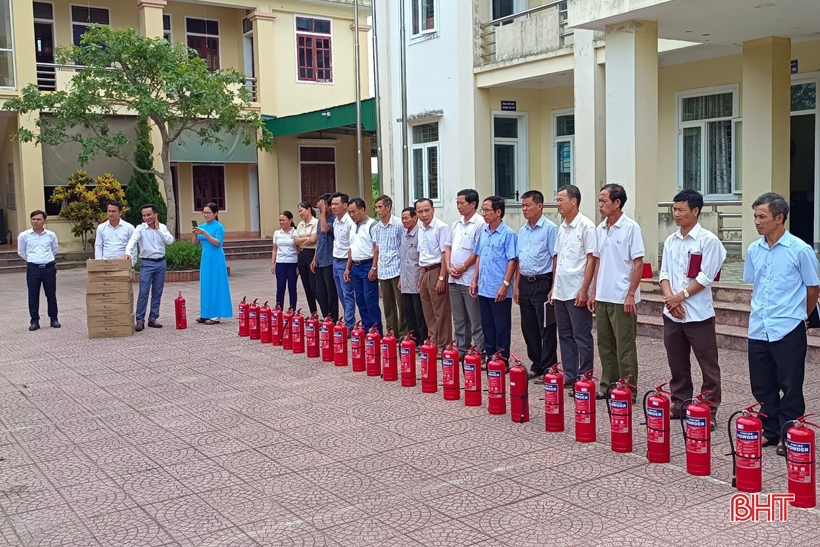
110	298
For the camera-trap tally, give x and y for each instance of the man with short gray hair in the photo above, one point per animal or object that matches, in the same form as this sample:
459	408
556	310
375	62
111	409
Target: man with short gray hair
387	235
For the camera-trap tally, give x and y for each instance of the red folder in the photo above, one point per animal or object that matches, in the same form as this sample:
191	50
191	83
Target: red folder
695	261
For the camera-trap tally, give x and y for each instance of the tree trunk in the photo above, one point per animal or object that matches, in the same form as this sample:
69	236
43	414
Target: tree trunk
168	183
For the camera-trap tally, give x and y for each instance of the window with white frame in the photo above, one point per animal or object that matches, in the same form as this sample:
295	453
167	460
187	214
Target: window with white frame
6	45
706	150
202	35
167	33
509	156
424	152
563	144
313	50
83	17
423	14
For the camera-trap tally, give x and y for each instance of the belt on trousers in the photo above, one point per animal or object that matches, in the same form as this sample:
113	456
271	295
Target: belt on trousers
534	278
433	267
40	265
154	259
360	262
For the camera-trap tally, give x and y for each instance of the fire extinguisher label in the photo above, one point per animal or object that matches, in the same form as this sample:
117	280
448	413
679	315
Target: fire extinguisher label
447	366
696	447
618	405
385	352
696	429
494	382
581	396
552	399
405	360
619	424
425	367
655	425
747	435
469	377
310	331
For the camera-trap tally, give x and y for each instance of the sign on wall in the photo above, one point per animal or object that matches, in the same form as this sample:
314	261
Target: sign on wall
508	106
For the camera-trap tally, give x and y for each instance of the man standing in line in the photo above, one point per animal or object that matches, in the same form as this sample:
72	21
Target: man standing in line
497	253
783	270
536	243
409	280
460	259
38	247
152	236
342	226
692	258
574	267
322	264
616	291
434	235
360	271
113	234
388	234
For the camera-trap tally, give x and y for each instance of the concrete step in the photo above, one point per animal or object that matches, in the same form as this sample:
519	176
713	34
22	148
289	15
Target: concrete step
61	265
721	292
728	337
733	314
231	243
247	255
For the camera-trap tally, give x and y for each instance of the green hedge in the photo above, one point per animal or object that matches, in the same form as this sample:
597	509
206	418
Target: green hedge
181	255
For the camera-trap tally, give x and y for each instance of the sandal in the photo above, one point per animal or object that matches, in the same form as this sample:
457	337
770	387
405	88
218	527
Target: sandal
781	449
211	322
200	320
538	380
767	442
600	396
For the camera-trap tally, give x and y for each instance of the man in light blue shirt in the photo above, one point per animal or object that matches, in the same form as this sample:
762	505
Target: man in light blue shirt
497	254
387	234
38	247
783	270
536	241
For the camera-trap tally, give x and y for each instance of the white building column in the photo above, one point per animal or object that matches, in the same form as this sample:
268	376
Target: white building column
632	123
590	122
766	124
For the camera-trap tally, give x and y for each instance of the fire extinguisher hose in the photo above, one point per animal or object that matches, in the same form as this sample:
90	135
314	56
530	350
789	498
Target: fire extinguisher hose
608	405
733	453
686	403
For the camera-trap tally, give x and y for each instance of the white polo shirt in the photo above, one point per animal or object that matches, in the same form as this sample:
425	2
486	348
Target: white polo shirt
465	237
341	236
617	248
361	240
572	245
677	252
433	240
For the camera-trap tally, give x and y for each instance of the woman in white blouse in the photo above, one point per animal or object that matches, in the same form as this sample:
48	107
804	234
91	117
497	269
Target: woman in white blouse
284	259
305	239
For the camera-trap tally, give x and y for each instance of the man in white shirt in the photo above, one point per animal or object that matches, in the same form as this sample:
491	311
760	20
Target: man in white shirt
460	260
113	234
152	236
574	268
434	235
360	271
689	317
38	247
342	226
616	290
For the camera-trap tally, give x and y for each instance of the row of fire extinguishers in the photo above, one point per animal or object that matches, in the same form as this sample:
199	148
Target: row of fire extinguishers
386	357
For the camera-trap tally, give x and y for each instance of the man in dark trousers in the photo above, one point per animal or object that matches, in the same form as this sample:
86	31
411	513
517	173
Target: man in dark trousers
38	247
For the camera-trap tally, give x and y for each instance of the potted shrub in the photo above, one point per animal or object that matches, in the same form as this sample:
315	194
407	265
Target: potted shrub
182	260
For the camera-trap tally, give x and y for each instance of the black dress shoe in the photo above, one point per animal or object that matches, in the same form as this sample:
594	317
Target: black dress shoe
154	324
35	325
55	324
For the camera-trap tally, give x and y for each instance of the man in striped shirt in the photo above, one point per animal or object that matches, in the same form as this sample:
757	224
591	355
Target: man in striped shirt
388	234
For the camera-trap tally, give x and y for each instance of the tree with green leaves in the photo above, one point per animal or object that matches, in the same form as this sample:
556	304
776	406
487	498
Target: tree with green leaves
121	72
142	187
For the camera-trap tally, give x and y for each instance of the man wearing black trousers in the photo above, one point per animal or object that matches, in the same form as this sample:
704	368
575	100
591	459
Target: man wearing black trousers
783	270
38	247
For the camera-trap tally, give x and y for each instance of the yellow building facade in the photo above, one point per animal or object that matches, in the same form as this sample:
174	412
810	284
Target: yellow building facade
298	57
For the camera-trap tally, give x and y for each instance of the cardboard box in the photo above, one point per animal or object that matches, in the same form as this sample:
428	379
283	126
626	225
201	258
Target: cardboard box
118	276
107	265
106	309
111	331
98	287
121	320
109	298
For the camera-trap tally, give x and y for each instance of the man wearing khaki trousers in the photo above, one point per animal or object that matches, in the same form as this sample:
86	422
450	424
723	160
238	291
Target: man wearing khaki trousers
434	236
388	233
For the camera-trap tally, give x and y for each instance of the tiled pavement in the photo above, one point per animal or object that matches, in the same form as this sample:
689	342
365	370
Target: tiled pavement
200	438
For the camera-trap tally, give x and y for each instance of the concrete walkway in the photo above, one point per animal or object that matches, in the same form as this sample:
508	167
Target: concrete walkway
200	438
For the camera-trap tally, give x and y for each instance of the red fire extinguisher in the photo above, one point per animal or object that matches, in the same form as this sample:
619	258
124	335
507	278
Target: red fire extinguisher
585	418
619	408
519	392
312	335
554	399
287	339
340	343
325	342
390	365
747	450
253	319
656	406
243	317
297	332
408	361
180	312
372	343
800	461
449	372
357	347
472	378
276	319
697	431
264	323
497	384
429	370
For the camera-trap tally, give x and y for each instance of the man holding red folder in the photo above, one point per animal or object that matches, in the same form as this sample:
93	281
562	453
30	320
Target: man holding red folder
692	258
